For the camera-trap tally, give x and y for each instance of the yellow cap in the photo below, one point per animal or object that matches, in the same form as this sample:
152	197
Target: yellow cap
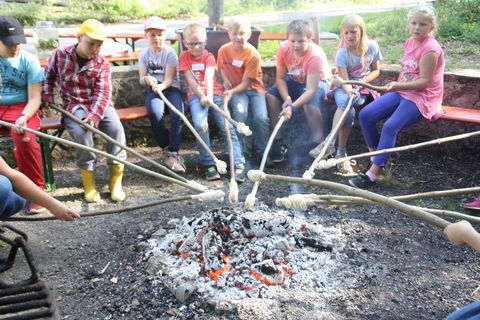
94	29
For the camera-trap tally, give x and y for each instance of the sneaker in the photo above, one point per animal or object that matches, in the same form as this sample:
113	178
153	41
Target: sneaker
362	181
174	162
33	208
474	205
278	152
315	152
240	173
212	174
345	167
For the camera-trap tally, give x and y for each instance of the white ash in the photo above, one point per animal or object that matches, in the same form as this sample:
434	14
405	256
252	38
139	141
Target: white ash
289	252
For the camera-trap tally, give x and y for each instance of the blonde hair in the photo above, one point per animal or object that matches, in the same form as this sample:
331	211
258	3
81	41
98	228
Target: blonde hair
195	28
354	20
240	22
300	27
426	11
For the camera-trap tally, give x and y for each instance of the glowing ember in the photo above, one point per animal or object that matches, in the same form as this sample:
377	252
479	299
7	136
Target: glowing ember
235	254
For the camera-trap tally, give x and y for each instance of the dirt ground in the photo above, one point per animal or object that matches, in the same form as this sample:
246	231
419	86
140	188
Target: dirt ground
404	269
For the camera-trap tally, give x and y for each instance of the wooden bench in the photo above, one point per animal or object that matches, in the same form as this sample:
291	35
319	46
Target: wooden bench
55	123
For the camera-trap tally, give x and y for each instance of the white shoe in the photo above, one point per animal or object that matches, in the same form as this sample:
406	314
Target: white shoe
315	152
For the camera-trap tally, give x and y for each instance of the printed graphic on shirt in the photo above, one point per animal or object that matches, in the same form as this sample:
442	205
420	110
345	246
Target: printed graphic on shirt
12	80
409	69
154	68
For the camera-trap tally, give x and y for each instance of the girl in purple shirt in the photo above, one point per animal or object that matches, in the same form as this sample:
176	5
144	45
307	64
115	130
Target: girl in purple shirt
417	94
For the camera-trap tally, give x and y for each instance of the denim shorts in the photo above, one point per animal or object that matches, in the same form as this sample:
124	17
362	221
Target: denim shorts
296	89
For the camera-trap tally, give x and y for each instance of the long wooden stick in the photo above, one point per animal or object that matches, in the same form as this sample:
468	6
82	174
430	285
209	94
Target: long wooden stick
336	80
221	165
115	142
207	195
325	164
250	200
107	155
240	126
303	201
233	194
310	173
256	175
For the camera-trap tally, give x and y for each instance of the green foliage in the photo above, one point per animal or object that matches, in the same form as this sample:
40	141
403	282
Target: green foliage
459	20
28	14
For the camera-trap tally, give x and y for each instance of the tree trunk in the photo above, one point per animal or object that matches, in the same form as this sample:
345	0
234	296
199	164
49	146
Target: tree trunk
215	12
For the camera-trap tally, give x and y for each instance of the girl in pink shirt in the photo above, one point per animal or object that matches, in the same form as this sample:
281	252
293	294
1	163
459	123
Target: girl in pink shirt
417	94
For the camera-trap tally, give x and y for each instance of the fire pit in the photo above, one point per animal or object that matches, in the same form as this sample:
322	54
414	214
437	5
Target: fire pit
231	255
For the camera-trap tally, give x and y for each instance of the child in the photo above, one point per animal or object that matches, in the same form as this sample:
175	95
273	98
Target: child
14	185
418	93
462	233
303	76
158	72
83	77
357	59
239	64
199	66
20	95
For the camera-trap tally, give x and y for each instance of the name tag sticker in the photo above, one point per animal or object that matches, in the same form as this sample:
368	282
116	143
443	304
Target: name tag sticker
237	63
294	72
198	66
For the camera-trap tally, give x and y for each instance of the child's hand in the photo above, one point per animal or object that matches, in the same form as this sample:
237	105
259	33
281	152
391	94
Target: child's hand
158	87
62	212
227	85
458	233
206	101
287	113
21	122
334	70
392	86
227	94
150	81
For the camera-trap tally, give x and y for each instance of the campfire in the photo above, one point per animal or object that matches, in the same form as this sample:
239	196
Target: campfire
232	254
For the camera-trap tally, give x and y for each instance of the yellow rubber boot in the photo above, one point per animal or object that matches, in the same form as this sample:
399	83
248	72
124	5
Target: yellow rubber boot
115	184
91	193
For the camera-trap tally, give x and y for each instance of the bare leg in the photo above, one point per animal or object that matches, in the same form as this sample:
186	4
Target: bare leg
315	121
274	107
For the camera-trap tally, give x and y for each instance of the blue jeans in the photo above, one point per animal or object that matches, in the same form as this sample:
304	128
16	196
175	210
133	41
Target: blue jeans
254	102
469	312
400	112
10	202
341	100
156	108
200	121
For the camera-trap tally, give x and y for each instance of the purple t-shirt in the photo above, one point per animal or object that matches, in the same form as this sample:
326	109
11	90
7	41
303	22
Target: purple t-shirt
428	100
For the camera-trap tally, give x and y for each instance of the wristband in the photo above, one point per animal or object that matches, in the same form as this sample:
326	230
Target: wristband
142	80
291	106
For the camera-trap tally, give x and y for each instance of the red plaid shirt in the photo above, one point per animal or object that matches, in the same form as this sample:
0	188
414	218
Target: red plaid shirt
88	88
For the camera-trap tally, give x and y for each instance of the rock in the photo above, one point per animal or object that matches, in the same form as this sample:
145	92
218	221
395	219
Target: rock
155	264
160	233
183	291
143	245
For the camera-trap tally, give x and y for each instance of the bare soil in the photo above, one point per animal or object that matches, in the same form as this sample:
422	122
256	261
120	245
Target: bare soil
405	269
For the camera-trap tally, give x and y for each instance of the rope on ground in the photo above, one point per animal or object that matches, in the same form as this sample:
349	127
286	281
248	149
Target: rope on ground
190	186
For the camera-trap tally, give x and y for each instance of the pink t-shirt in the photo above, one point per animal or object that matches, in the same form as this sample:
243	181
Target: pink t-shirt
428	100
313	61
198	67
